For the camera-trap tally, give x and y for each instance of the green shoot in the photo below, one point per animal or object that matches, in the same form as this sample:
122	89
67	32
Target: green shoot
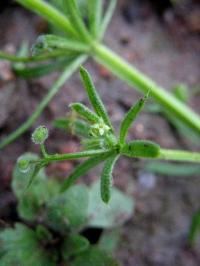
84	112
129	118
107	179
107	146
94	97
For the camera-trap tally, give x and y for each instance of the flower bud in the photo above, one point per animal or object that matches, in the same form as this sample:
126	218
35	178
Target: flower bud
23	164
99	129
40	135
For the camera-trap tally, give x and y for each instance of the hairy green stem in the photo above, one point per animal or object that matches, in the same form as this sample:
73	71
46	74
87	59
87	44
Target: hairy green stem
76	155
134	77
55	88
179	155
49	13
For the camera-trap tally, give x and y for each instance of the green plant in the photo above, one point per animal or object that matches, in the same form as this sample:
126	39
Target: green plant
51	226
100	142
80	40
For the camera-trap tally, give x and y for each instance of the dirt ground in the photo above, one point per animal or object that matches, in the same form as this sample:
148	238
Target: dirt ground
163	42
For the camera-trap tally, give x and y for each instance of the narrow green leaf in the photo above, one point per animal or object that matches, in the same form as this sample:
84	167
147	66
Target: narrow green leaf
40	70
171	169
94	97
77	20
129	118
36	169
107	179
85	112
83	168
107	17
76	127
73	245
49	42
94	257
95	9
141	148
194	228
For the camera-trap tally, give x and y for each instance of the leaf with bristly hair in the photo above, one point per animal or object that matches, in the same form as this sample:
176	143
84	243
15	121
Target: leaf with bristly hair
107	179
129	118
49	42
141	148
85	112
94	97
74	126
83	168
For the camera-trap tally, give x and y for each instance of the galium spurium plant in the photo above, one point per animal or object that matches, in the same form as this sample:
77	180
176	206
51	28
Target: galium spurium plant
82	25
101	143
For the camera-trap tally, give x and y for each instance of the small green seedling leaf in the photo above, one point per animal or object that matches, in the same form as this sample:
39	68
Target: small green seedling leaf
21	179
141	148
100	215
94	97
74	245
85	112
109	240
68	209
94	257
129	118
31	201
20	246
43	234
83	168
107	179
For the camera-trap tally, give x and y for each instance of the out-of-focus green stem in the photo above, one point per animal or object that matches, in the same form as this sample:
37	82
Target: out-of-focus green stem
179	155
134	77
23	59
54	89
49	13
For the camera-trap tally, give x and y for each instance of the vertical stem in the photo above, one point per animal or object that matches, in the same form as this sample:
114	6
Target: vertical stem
134	77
